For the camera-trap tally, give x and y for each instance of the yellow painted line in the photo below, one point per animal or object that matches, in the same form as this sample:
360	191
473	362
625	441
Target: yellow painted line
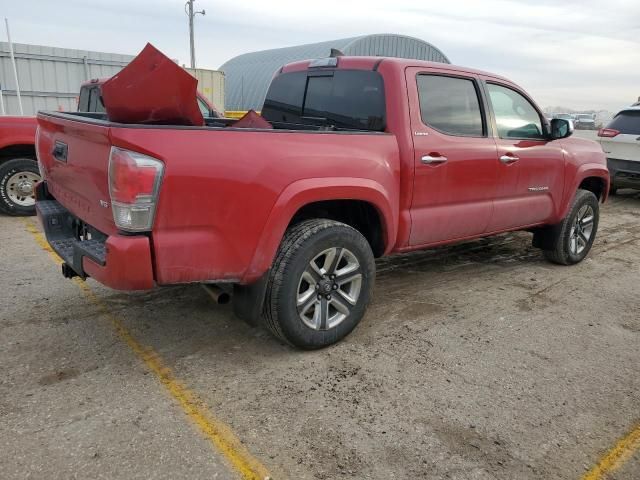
216	431
616	457
40	240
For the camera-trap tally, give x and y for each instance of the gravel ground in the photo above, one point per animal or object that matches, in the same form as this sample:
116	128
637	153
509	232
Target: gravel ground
476	361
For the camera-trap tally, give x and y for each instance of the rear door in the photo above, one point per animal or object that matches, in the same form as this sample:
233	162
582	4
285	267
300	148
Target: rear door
455	161
531	167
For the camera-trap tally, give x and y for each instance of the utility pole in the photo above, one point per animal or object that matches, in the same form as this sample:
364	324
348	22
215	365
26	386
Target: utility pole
191	14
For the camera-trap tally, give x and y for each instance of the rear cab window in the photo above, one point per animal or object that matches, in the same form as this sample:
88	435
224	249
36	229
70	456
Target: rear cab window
83	100
626	122
450	105
90	100
334	99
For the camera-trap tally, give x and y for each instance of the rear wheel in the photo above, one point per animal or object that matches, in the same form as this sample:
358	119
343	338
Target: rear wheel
18	178
320	283
574	238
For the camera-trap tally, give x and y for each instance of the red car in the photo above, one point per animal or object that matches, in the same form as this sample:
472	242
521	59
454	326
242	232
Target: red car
357	158
18	167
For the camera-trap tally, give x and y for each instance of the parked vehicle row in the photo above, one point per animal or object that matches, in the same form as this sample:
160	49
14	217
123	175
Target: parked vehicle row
355	158
581	121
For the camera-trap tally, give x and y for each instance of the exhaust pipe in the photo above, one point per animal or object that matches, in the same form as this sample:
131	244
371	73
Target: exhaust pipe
217	294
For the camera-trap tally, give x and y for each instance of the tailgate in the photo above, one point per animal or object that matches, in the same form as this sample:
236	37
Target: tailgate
74	153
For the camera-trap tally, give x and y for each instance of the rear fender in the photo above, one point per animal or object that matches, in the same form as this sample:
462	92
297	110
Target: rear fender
304	192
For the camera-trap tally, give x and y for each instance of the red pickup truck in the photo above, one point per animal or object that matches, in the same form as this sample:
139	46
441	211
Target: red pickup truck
359	157
18	168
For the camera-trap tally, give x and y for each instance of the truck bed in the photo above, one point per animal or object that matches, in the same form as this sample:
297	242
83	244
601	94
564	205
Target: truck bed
221	185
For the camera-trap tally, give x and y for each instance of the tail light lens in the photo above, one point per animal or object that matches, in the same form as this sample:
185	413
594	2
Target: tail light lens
607	132
134	184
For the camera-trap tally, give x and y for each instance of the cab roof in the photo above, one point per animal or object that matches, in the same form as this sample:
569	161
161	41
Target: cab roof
373	63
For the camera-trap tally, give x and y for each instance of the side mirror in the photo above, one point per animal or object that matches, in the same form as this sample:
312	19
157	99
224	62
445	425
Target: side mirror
561	128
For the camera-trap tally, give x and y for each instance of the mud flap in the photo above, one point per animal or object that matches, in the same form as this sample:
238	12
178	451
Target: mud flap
248	300
545	238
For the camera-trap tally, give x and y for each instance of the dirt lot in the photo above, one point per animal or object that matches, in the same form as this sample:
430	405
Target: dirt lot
477	361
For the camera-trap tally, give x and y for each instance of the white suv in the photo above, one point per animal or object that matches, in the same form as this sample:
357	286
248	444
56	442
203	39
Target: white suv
620	141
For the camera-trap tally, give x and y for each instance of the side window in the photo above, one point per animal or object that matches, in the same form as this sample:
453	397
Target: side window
83	101
515	116
450	105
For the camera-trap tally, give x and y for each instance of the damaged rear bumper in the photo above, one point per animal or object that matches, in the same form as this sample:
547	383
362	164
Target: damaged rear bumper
117	261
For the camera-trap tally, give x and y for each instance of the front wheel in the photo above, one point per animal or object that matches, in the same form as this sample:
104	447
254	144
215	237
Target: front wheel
576	233
18	178
320	283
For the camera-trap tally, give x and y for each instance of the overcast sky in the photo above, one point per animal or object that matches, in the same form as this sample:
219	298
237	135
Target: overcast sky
580	54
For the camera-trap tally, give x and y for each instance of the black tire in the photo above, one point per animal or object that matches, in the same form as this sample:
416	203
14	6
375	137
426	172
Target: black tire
9	203
563	251
301	244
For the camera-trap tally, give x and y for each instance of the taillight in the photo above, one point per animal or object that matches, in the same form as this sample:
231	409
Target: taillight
134	183
608	132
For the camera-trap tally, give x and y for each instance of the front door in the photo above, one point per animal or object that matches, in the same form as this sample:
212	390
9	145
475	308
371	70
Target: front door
456	166
531	167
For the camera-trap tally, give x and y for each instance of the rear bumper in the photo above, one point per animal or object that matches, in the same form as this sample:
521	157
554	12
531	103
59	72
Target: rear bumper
117	261
624	173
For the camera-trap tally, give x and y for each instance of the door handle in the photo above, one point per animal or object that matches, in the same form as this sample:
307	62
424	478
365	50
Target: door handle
508	159
434	159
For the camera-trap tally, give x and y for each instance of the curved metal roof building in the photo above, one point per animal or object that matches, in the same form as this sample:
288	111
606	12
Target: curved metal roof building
248	75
